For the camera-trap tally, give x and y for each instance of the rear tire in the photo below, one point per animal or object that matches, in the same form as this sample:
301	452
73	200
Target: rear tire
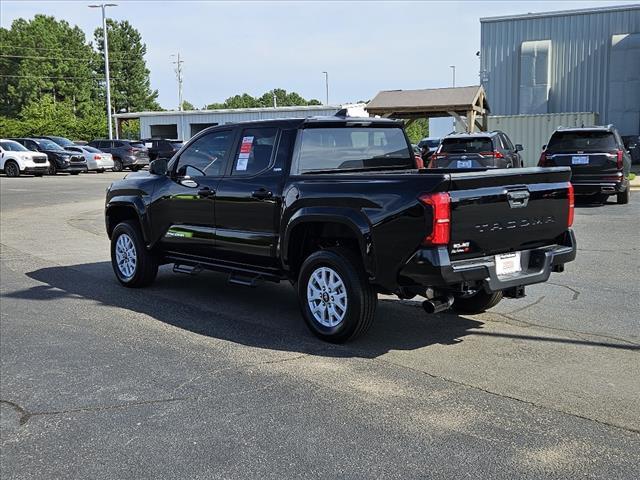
477	303
117	165
623	197
135	168
11	169
133	264
337	301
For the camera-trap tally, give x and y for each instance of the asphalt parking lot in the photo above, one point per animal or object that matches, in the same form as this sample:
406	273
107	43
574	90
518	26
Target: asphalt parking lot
194	378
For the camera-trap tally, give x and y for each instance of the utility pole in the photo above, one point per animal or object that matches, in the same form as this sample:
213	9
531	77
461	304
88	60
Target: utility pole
178	63
105	47
453	68
275	102
326	84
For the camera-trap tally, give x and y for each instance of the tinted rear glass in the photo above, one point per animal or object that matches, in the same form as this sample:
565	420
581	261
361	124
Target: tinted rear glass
466	145
137	145
353	148
582	141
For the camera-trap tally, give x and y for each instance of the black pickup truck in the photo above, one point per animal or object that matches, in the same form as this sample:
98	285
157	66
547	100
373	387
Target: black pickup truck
336	206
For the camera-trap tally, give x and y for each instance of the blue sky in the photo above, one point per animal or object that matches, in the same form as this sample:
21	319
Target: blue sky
236	47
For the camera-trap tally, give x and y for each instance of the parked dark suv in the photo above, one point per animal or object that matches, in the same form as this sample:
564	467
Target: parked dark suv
477	150
161	148
130	154
60	160
599	163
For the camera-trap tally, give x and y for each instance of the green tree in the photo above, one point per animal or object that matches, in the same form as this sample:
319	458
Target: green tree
130	83
44	56
418	130
188	105
283	99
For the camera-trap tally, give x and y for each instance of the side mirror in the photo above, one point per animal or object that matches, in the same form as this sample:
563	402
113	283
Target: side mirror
544	147
158	166
519	147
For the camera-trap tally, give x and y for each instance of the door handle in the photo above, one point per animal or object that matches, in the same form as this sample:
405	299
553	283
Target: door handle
261	194
206	192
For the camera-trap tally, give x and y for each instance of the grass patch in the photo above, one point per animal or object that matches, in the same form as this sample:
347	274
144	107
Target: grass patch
632	176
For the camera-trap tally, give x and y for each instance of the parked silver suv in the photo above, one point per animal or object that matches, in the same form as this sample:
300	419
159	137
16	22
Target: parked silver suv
130	154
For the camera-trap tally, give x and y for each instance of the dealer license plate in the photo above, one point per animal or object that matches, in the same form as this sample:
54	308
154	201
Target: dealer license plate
508	263
581	160
464	163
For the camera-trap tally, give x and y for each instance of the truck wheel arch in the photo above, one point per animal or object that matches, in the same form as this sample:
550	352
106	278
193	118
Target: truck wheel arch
118	211
305	232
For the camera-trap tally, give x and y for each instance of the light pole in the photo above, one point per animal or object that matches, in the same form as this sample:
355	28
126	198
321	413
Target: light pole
326	84
453	68
106	61
178	63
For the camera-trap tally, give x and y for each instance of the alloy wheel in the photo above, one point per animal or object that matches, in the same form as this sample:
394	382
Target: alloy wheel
126	256
327	297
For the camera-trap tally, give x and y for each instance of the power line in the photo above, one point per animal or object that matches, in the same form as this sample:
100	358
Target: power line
53	76
79	59
57	50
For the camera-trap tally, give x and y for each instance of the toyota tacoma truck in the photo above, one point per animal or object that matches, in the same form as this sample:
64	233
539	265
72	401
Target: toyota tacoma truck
336	206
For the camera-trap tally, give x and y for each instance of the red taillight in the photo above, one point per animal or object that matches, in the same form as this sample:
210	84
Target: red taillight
619	157
440	204
495	154
572	204
97	157
543	160
419	161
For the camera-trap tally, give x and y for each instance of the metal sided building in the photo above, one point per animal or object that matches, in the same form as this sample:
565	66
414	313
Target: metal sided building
184	125
567	61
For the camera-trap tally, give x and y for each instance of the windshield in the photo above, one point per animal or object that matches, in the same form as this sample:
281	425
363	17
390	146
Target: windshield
13	146
63	142
582	141
46	144
466	145
353	149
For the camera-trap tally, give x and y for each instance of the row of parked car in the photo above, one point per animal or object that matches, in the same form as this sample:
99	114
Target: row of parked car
599	158
52	154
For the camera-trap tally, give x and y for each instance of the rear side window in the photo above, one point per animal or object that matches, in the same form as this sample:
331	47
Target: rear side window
255	151
353	148
594	141
466	145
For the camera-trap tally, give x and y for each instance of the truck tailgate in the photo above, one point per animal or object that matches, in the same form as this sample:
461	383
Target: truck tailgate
509	210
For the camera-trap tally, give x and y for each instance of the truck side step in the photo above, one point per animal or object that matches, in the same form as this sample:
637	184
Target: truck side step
188	269
243	280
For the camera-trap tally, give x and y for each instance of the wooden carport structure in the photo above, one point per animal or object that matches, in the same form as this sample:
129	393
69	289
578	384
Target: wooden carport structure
411	105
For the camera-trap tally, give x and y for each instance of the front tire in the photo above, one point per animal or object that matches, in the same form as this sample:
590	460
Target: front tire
337	301
623	197
477	303
11	169
53	168
133	264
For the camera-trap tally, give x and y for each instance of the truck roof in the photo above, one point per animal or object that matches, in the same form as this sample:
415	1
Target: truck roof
315	121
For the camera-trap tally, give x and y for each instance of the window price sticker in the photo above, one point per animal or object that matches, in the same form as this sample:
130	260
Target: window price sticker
243	160
247	143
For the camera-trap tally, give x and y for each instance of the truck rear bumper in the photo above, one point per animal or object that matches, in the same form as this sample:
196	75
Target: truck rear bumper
431	267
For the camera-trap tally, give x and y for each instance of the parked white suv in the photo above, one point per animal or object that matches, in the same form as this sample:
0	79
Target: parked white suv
15	160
